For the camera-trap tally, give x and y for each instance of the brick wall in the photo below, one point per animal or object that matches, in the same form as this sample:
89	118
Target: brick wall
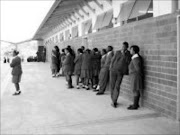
157	40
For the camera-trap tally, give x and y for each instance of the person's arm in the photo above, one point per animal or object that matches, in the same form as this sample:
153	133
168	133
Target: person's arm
13	63
137	65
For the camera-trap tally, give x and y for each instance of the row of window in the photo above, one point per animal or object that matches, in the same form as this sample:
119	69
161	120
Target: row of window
131	10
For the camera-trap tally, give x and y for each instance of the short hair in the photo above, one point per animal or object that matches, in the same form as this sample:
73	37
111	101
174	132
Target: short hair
80	50
63	50
57	48
15	52
104	50
135	48
126	44
82	47
68	46
95	50
111	48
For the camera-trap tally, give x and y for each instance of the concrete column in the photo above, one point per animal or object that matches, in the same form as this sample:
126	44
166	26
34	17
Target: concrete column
174	6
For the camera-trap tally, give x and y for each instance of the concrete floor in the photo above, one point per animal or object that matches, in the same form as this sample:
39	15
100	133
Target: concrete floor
46	106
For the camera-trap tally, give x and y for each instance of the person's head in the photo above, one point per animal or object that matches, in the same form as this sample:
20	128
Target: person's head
95	49
68	50
83	48
134	49
88	51
56	48
103	51
109	48
15	53
79	51
68	46
125	46
63	50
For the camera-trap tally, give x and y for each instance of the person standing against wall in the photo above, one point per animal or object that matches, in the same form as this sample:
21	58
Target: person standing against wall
136	76
118	68
68	64
105	71
16	71
77	68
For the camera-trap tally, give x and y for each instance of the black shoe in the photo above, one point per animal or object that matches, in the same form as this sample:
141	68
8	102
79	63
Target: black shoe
114	105
95	90
70	87
17	93
87	88
132	107
99	93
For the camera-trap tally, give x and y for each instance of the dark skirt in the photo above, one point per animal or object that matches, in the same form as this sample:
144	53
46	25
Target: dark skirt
77	72
16	78
86	74
136	82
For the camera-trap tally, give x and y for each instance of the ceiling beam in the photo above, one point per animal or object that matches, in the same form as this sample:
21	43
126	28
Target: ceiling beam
109	2
81	16
89	7
82	9
98	4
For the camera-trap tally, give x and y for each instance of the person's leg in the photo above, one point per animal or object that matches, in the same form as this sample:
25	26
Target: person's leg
69	80
135	105
77	81
116	91
113	77
104	81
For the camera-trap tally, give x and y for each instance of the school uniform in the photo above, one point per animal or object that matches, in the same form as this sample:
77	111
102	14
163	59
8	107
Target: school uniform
136	79
78	63
104	77
68	64
118	68
54	62
86	67
16	69
96	66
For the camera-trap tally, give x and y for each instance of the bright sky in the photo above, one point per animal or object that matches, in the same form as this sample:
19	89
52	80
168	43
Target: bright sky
21	18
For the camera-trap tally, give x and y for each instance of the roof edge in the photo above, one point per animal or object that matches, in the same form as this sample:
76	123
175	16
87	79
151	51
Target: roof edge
56	3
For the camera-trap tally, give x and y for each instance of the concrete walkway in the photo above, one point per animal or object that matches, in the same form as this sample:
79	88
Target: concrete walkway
46	106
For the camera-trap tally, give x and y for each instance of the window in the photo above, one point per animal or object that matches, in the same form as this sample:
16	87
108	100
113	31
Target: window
141	8
87	27
135	10
67	34
61	37
107	21
99	21
75	31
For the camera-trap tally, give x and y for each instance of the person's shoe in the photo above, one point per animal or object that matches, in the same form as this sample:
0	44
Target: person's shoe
133	107
114	105
99	93
53	75
70	87
95	90
87	88
77	87
17	93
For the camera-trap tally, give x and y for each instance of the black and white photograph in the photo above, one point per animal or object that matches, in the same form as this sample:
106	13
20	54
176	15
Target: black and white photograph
90	67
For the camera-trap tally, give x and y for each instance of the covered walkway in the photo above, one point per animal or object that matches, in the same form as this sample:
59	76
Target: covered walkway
46	106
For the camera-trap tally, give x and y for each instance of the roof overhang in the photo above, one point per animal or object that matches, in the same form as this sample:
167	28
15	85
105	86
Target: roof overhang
60	15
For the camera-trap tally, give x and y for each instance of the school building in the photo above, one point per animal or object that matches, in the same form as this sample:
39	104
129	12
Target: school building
153	25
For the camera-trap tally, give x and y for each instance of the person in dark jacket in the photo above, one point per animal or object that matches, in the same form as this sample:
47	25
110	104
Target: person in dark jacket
16	71
136	76
63	56
103	59
118	68
105	71
68	64
86	68
77	68
96	66
55	61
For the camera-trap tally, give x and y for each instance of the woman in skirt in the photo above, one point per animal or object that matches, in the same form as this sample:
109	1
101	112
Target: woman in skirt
77	68
136	76
16	71
86	68
96	66
103	59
